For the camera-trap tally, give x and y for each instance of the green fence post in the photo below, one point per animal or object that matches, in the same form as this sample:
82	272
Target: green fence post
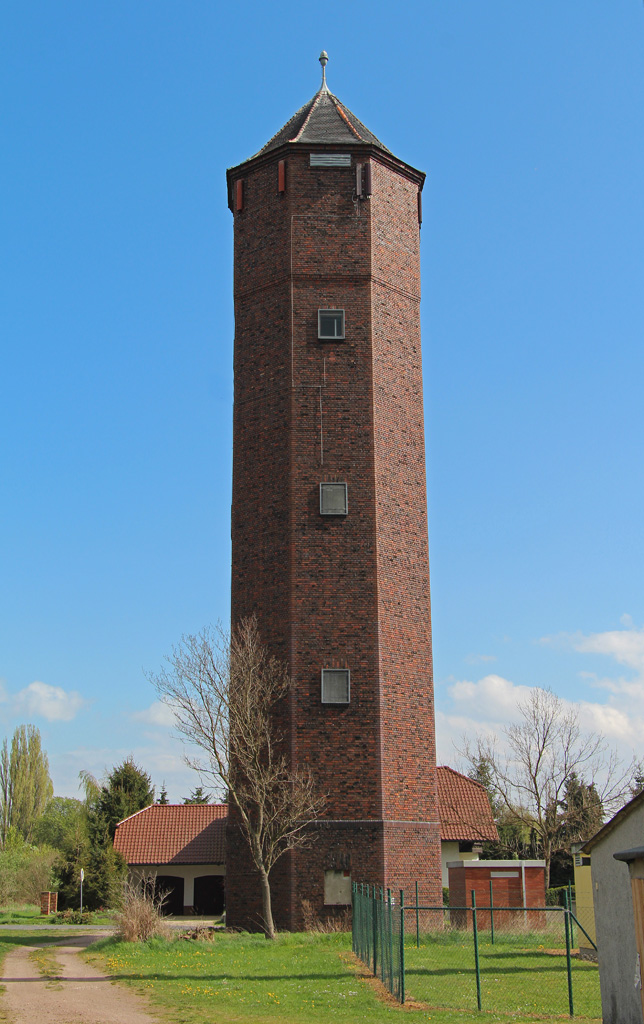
476	951
368	939
360	902
569	964
491	912
356	916
375	928
417	927
570	916
402	945
382	934
391	941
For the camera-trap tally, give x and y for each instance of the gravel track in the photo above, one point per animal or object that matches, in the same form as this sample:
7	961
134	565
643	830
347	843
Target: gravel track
78	994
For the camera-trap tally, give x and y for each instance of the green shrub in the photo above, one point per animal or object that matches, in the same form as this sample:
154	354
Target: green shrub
25	870
74	917
446	896
556	896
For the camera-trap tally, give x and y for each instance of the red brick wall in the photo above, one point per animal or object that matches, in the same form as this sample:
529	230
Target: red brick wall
337	591
507	892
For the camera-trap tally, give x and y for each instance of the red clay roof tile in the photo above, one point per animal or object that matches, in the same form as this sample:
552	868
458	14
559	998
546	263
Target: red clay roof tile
464	808
174	834
196	833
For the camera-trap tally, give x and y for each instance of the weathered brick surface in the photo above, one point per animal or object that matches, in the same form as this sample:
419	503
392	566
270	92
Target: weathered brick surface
336	591
507	892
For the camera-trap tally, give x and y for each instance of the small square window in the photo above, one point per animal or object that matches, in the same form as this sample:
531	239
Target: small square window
336	684
333	499
331	324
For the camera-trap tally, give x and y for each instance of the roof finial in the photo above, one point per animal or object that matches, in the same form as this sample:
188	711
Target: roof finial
324	59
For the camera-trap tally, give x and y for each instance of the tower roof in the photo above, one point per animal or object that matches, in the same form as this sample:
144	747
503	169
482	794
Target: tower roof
324	119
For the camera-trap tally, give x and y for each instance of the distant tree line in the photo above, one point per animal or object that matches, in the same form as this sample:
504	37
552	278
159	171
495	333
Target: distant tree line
45	839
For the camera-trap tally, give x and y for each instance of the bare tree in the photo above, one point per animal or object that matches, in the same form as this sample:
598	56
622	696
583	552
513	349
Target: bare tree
545	755
224	692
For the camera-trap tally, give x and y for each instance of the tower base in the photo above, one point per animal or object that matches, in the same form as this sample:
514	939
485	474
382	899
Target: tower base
314	883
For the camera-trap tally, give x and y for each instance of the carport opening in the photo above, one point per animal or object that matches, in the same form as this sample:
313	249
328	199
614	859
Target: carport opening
172	887
209	895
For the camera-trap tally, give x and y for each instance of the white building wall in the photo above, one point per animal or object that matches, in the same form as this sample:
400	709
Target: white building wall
186	871
615	923
449	852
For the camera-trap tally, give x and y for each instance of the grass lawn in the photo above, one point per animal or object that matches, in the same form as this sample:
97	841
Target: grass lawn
28	913
21	913
519	974
298	979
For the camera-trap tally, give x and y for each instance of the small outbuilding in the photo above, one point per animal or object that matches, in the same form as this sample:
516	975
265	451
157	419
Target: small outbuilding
183	846
500	883
620	969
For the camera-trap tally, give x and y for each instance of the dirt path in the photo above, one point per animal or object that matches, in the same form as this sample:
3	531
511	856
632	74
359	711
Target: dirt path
54	985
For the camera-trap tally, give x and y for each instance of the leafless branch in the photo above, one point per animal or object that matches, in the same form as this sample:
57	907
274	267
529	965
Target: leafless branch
225	692
544	753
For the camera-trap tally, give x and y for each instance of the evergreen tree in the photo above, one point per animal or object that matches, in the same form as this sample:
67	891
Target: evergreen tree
481	772
198	797
89	846
163	799
128	789
636	785
582	808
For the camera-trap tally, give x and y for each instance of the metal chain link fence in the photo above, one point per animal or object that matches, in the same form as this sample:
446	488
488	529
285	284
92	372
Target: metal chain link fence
378	931
502	959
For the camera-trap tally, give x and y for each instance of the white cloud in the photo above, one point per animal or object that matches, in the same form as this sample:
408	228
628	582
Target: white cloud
487	706
491	699
625	646
158	714
50	702
611	721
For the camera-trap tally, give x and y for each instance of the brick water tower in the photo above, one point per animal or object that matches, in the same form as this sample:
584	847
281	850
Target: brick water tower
329	511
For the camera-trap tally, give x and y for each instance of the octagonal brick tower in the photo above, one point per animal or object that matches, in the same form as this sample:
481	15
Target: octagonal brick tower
329	511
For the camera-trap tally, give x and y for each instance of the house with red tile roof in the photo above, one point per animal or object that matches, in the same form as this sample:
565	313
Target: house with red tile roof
184	847
465	817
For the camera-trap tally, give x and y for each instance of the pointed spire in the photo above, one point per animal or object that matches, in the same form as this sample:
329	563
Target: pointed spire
324	60
324	119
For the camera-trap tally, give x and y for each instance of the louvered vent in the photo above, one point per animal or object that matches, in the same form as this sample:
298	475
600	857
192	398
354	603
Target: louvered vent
333	499
330	160
335	685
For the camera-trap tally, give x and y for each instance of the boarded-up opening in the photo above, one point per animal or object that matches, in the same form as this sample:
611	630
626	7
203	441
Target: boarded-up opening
337	888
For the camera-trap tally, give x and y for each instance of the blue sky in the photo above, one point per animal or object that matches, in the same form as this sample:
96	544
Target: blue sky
116	335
